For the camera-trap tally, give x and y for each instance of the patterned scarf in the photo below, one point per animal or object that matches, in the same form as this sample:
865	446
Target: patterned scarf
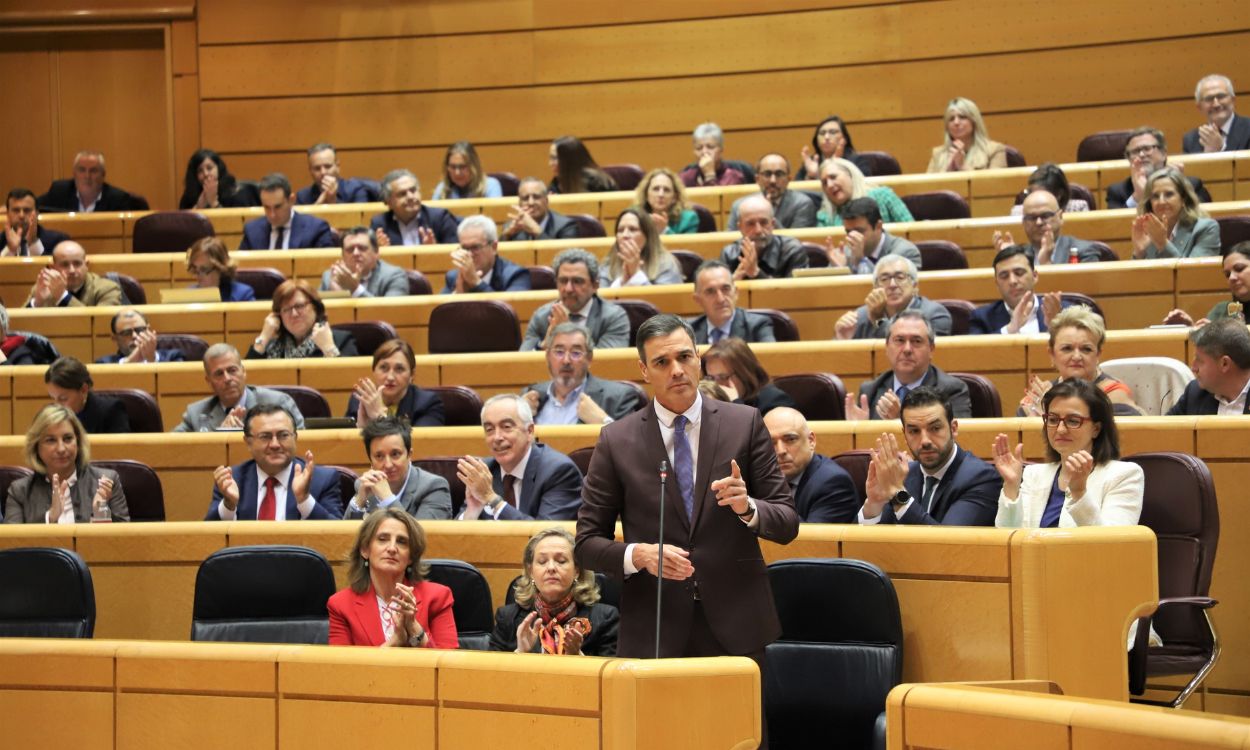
556	619
285	347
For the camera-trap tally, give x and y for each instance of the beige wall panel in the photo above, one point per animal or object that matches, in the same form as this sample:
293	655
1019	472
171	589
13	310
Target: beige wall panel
38	718
147	720
27	153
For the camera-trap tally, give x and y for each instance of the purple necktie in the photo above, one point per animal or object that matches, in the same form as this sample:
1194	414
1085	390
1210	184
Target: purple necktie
683	463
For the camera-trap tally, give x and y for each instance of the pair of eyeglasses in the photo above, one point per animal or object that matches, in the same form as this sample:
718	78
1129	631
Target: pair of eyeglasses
201	270
128	332
1071	421
296	309
1141	151
897	278
573	354
267	437
774	174
1041	218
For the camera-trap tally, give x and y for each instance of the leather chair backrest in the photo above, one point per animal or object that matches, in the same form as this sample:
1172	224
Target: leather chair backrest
472	606
309	401
580	456
1233	229
643	397
1102	146
816	257
462	407
509	183
477	325
961	314
707	221
1105	253
263	594
191	346
784	328
145	415
819	395
145	498
542	277
417	283
347	482
132	290
10	474
609	590
689	262
937	204
1076	298
170	231
881	163
855	462
1014	157
986	403
445	467
626	176
46	593
588	226
369	334
941	255
638	311
263	281
1079	191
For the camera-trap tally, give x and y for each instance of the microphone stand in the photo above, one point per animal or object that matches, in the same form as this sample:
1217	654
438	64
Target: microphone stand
660	565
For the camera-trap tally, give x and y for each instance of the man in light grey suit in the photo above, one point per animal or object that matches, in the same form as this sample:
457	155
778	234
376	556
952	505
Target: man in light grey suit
577	281
392	478
573	395
362	271
232	396
866	241
715	292
791	209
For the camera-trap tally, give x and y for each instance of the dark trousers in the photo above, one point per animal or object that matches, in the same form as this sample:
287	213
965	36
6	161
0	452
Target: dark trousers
702	642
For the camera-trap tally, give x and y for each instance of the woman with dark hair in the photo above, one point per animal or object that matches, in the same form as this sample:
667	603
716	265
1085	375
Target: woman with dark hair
556	608
638	258
1051	178
1170	223
70	385
209	184
1237	271
209	261
662	196
1082	483
65	487
297	327
731	363
390	392
831	140
463	176
573	169
388	602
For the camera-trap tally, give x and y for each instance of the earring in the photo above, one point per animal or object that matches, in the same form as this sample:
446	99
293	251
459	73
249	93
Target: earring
366	563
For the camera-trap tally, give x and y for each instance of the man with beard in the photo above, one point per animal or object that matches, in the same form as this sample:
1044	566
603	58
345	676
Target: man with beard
577	281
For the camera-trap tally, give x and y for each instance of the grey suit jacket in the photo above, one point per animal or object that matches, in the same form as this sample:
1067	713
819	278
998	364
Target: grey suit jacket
952	389
795	212
30	498
939	317
1202	238
750	327
207	414
385	281
1066	245
616	399
607	322
427	496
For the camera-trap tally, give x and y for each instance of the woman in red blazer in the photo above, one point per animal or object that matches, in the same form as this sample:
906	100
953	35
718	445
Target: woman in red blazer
387	602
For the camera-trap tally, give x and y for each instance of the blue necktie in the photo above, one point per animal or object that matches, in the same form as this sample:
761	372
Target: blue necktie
683	463
902	394
717	335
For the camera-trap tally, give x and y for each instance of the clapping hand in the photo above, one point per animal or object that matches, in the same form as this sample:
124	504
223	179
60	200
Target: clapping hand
1211	138
145	348
1010	465
1078	465
1002	240
234	417
208	193
223	477
856	410
467	276
630	253
957	152
301	477
835	253
478	484
343	277
370	398
811	162
103	493
844	329
329	190
1022	313
875	302
1047	248
1033	395
748	262
660	220
528	633
60	498
520	220
888	405
403	609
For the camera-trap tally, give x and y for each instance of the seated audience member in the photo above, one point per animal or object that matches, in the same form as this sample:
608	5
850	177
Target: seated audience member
392	480
1221	368
478	266
709	168
945	485
328	186
407	221
523	480
1020	310
832	140
662	196
274	485
761	253
909	349
968	145
69	384
716	293
573	395
577	284
1147	153
209	261
732	364
136	341
297	327
388	602
896	289
1237	271
21	348
1042	221
1081	483
282	227
463	176
390	392
823	491
1171	224
709	389
362	271
65	487
87	191
532	217
574	170
1222	129
842	182
69	282
638	257
791	209
23	234
867	241
207	183
1051	178
556	607
1076	338
232	396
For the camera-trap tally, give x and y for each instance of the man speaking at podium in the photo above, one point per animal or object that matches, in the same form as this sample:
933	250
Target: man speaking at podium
723	491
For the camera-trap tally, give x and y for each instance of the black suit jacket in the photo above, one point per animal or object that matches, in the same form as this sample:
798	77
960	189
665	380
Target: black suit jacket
952	389
557	226
992	317
442	223
1238	137
769	398
1118	193
551	490
306	232
604	619
101	414
966	496
825	493
49	237
350	190
750	327
62	195
420	408
506	276
1195	402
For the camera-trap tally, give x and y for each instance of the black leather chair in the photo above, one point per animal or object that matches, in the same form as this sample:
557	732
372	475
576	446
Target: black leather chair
462	407
347	482
1105	253
47	593
961	314
626	176
542	277
1102	146
445	467
689	261
784	328
169	231
816	256
191	346
707	221
9	475
263	281
937	204
855	462
638	311
308	400
1179	506
881	163
986	403
819	395
417	283
1233	229
839	654
1014	157
588	226
1076	298
263	594
509	183
472	606
145	415
477	325
941	255
132	290
145	498
369	334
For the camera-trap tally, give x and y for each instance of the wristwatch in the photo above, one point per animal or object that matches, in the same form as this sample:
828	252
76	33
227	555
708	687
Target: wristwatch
900	499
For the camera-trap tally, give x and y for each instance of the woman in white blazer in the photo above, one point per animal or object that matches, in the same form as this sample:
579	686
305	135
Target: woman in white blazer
1082	484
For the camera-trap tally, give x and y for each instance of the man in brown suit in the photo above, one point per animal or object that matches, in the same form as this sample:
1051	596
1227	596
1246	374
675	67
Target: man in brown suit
67	282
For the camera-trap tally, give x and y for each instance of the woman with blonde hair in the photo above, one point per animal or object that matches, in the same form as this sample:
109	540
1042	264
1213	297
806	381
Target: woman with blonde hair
968	145
842	182
1077	334
637	258
463	176
208	260
1170	223
662	196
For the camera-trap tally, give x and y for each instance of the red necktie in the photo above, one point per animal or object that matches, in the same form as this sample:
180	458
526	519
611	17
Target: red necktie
269	503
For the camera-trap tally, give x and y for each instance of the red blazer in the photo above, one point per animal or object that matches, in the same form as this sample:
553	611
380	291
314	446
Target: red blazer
354	619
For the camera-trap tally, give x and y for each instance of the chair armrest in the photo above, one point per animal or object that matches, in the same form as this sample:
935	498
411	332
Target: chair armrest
1203	602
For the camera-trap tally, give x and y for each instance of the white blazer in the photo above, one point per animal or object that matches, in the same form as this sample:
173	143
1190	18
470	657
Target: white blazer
1113	497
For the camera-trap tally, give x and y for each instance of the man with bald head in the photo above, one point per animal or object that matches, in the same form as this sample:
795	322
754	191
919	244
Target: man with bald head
67	282
87	191
823	491
761	254
136	341
791	209
1043	222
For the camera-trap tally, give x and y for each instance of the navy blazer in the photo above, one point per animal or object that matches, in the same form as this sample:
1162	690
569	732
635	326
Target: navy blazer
1238	137
751	327
505	277
350	190
1195	402
324	487
443	223
1118	193
162	355
306	231
236	291
101	414
966	496
992	317
420	408
551	490
49	237
826	493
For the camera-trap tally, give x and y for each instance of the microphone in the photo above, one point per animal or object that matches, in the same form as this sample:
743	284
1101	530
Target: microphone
660	565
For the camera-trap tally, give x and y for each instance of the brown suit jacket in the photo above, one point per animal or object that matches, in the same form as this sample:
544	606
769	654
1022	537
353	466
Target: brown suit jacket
96	290
732	579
